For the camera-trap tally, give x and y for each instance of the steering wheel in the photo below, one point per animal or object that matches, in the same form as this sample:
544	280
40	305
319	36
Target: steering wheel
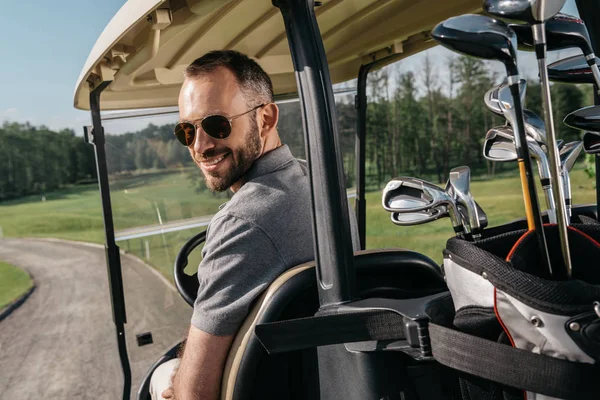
187	284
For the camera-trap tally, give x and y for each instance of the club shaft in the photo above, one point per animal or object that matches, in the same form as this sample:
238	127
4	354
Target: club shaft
539	36
550	204
532	208
567	190
595	71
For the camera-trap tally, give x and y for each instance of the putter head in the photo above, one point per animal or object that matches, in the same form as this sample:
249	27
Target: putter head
459	184
479	36
563	31
412	195
530	11
573	69
586	119
591	142
569	154
491	97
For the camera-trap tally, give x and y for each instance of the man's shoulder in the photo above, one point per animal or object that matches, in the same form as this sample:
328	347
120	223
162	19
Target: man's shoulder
272	194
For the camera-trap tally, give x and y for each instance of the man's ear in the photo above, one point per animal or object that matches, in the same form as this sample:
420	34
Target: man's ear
268	119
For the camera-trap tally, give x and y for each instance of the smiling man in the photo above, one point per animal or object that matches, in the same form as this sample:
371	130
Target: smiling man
228	121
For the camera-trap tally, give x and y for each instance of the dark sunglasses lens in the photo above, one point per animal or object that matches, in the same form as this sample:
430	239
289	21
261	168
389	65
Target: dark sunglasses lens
216	126
185	133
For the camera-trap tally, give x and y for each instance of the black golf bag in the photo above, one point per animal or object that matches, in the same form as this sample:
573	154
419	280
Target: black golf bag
512	330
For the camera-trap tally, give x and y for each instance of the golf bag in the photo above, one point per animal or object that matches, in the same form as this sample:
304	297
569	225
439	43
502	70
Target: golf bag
516	332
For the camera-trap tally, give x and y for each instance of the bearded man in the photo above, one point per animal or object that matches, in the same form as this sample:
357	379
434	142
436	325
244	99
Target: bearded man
228	121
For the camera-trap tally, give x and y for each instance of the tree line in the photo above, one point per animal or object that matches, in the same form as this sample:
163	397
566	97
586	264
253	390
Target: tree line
420	124
37	160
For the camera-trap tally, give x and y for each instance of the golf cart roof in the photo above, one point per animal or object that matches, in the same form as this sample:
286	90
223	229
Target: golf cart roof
147	45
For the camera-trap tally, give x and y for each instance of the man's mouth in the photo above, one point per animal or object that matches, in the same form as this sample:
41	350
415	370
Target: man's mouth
212	162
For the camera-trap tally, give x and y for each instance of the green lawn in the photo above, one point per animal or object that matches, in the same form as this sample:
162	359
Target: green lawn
76	214
13	283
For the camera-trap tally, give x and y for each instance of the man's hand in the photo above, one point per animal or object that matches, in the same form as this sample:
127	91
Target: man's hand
199	374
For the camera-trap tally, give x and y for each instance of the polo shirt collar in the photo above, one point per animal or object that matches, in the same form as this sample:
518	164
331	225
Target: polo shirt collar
272	161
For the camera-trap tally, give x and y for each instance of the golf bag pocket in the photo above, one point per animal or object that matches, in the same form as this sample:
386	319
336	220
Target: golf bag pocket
519	332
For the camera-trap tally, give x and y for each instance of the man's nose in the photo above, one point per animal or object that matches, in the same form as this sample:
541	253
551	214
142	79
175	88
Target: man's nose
202	141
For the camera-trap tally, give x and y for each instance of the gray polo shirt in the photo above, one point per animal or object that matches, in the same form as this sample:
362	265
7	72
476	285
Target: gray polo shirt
261	232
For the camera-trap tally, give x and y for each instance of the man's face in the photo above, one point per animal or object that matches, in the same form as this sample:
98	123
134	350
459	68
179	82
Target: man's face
222	161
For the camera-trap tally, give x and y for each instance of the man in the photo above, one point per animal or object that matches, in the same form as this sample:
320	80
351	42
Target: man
229	122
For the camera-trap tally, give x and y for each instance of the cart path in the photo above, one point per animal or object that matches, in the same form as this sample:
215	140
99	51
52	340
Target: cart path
61	343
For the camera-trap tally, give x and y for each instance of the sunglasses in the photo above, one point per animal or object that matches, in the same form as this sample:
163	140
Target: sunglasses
216	126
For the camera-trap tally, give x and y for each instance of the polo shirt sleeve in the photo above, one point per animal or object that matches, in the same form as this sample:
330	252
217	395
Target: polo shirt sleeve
240	261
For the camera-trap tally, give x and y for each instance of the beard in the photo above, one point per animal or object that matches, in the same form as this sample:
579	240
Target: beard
241	160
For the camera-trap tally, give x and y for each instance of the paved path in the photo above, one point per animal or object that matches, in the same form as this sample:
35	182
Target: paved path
61	343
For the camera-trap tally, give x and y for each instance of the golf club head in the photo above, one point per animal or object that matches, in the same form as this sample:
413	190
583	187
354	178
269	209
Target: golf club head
479	36
563	31
483	219
530	11
412	195
458	185
573	69
569	154
534	126
491	97
591	142
586	119
499	144
419	217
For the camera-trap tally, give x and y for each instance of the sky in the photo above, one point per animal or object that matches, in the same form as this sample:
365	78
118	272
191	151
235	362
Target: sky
44	49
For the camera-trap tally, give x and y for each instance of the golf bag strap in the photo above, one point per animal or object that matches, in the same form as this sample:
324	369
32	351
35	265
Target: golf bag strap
513	367
303	333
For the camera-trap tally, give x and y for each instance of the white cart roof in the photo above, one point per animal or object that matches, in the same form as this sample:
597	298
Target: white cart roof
148	44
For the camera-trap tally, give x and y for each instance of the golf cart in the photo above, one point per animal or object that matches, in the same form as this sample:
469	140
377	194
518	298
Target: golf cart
348	325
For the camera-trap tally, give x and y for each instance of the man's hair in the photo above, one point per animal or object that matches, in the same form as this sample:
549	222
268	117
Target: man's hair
252	79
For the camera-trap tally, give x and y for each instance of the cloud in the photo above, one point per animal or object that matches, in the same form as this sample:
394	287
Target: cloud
12	110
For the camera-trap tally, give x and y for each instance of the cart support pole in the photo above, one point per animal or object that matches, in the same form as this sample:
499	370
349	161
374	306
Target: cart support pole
331	224
113	259
589	11
361	145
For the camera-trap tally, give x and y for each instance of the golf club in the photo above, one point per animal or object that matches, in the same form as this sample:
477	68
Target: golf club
433	214
591	142
586	119
534	125
485	37
413	195
458	187
499	146
491	96
573	69
563	31
568	156
536	13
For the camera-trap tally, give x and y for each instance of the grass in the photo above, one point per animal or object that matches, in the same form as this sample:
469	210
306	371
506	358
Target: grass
76	214
13	283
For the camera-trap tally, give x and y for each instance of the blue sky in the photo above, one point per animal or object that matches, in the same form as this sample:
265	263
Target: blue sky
44	48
